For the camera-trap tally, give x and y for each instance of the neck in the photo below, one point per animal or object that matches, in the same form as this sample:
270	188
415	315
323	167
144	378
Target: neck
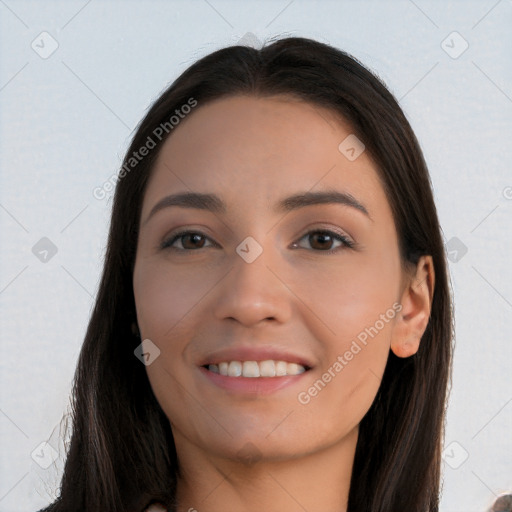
314	481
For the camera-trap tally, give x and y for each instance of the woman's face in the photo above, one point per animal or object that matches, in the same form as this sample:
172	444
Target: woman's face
270	277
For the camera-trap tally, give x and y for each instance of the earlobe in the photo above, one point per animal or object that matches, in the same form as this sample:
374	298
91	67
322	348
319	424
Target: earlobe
416	306
406	348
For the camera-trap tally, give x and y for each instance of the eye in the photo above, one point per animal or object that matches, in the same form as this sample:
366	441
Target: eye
190	240
320	239
323	239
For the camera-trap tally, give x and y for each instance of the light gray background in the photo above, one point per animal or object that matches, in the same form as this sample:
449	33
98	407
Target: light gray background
67	120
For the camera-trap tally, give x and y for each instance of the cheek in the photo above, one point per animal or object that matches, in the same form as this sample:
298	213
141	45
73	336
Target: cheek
346	295
164	298
343	387
169	303
357	305
165	303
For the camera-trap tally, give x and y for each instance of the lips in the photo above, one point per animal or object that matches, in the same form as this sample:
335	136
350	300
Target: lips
255	370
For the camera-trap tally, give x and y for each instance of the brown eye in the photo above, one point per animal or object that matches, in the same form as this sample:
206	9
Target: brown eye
320	241
190	240
323	240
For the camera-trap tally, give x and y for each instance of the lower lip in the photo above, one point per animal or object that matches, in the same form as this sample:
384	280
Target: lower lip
252	385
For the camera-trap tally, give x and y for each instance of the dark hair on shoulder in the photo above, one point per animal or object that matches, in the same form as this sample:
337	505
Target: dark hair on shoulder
122	454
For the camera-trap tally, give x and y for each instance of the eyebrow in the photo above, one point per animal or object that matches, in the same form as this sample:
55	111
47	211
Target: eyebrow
214	204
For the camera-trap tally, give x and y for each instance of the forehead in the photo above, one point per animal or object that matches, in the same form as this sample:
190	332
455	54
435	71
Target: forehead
248	148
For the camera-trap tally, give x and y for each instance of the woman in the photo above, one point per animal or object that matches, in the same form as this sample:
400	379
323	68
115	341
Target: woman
273	328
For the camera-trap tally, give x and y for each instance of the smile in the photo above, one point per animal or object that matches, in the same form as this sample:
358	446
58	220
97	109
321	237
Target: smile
268	368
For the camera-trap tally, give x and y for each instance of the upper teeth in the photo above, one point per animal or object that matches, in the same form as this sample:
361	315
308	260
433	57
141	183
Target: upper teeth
256	368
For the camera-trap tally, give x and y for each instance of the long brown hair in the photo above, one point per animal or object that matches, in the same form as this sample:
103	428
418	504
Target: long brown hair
122	455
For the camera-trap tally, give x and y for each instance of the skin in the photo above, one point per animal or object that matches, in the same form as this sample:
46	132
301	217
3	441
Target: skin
252	152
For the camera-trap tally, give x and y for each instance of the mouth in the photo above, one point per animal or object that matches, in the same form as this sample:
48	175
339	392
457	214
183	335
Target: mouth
257	369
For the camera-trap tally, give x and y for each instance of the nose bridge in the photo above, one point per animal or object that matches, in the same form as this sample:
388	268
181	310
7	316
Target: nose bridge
252	291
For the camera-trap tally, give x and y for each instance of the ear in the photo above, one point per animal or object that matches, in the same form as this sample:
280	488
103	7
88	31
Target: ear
416	304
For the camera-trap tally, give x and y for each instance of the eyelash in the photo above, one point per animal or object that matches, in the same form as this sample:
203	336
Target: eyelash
347	243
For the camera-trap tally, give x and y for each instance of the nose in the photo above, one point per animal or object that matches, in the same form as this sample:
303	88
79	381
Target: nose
253	292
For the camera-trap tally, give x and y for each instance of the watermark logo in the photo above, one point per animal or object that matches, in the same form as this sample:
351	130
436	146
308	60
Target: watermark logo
454	45
249	453
351	147
44	250
456	249
455	455
147	352
251	40
44	45
249	249
44	455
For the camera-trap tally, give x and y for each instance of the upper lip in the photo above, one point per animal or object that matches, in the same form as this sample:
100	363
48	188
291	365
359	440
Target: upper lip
253	353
